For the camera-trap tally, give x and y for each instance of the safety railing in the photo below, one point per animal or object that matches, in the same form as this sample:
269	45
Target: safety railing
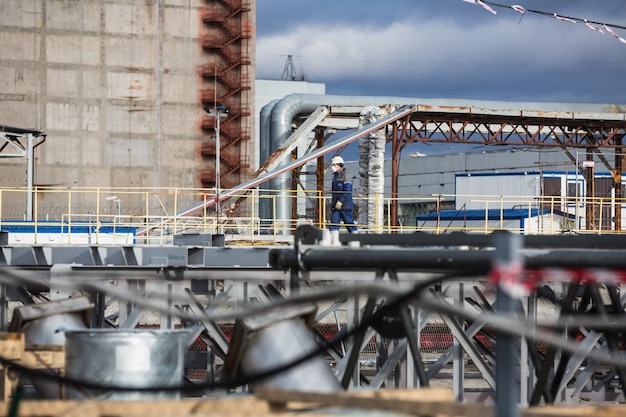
153	216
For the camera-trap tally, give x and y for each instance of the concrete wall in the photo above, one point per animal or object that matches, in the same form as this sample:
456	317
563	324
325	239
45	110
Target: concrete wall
113	83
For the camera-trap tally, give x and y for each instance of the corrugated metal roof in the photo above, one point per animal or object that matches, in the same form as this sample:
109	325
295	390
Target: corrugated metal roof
492	214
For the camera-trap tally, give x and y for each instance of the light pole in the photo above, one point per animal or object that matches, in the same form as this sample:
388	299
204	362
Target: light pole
218	113
119	210
118	202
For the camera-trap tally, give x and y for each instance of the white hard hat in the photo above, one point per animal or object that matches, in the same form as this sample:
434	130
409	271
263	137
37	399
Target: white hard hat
336	160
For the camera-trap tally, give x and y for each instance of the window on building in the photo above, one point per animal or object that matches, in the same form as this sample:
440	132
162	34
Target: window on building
574	189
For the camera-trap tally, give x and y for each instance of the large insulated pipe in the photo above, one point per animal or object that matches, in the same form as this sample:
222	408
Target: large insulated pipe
276	172
371	168
292	105
265	150
287	108
283	115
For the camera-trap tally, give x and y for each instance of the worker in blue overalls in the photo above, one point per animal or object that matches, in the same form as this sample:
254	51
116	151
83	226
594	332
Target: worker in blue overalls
341	204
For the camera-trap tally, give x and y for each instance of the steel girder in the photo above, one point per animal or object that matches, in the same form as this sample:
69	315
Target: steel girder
556	130
186	289
465	125
541	375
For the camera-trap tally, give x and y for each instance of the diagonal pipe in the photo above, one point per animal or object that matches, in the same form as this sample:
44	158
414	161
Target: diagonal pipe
402	112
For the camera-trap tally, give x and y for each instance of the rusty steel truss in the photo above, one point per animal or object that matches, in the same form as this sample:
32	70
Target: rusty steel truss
469	125
562	129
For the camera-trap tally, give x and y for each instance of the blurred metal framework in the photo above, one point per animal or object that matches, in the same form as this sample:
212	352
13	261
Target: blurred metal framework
182	281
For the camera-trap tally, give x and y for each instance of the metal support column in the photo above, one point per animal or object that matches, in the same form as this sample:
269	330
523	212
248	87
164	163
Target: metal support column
508	265
458	365
29	176
590	204
4	313
617	184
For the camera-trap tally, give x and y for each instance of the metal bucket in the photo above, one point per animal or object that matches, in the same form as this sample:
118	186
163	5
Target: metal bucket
125	358
50	330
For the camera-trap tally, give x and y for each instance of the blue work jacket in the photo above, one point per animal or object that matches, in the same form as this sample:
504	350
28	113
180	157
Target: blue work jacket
342	189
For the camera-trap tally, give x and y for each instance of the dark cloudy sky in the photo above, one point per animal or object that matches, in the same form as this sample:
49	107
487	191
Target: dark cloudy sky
447	48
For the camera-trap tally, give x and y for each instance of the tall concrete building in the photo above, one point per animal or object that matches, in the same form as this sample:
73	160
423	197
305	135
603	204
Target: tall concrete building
120	89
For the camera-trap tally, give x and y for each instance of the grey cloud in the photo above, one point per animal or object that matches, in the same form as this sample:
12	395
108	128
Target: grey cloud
457	55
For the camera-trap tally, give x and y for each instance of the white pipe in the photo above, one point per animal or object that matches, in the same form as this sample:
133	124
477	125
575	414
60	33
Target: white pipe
29	175
372	169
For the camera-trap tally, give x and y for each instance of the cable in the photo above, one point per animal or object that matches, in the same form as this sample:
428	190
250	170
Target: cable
551	14
523	328
520	9
402	298
510	325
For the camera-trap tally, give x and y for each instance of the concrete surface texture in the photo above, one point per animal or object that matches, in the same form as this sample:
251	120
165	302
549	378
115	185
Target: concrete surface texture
115	86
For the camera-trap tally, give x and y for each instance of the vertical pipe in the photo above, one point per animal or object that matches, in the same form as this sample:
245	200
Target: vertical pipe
486	217
204	213
294	194
274	211
175	211
617	183
600	218
507	263
147	239
372	167
458	374
29	177
218	164
577	208
590	198
396	144
319	174
97	226
69	218
255	196
4	308
437	228
551	215
391	216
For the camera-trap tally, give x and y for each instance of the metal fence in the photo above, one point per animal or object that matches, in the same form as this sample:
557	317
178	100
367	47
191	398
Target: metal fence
153	216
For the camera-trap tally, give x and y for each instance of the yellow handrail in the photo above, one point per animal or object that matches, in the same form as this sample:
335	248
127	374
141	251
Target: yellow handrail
254	221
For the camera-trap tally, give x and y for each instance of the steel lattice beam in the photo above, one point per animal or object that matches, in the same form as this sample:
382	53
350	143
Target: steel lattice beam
556	129
468	125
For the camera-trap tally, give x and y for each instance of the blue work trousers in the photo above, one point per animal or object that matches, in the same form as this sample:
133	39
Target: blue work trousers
338	216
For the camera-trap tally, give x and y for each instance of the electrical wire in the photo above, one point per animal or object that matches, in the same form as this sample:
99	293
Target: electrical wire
161	302
552	14
510	325
398	298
